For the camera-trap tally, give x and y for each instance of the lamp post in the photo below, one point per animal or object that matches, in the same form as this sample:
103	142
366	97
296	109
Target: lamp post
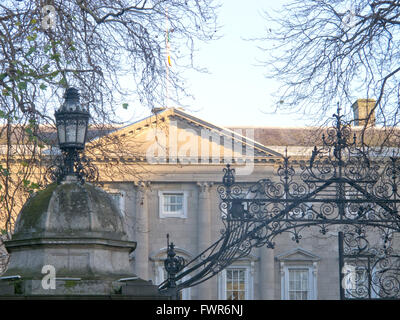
72	124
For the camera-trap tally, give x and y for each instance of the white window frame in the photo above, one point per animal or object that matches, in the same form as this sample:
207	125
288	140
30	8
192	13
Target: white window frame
163	214
248	278
122	198
312	280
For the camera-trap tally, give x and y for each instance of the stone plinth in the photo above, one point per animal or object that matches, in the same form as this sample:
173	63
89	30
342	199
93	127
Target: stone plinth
136	289
76	231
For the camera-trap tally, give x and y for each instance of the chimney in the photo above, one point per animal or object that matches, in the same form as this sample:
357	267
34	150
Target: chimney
362	109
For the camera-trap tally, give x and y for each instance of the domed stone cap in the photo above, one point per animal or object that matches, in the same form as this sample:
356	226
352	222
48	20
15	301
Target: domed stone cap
70	210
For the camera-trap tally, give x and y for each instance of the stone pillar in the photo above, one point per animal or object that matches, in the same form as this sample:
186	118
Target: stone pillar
267	273
204	231
142	231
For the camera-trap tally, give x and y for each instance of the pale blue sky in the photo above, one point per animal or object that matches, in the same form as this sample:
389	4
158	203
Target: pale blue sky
235	91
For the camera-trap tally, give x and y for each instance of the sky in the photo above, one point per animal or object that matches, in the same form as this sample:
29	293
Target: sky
235	91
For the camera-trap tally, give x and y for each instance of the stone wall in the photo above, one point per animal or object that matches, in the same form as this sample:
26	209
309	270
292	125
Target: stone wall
3	255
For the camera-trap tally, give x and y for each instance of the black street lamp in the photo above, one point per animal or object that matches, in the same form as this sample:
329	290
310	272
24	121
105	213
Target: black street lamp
72	125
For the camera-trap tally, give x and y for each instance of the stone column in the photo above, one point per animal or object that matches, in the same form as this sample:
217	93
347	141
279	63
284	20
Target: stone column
267	273
142	231
204	231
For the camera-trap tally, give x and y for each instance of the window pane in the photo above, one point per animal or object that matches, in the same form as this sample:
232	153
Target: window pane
298	284
173	203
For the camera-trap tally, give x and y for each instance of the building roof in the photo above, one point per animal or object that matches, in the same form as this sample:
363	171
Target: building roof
281	136
262	137
310	136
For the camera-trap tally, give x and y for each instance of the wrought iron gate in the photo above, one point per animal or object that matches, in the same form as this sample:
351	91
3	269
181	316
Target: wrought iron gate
340	185
368	268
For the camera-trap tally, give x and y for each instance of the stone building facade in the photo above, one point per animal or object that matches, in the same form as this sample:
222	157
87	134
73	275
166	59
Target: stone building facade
182	166
168	185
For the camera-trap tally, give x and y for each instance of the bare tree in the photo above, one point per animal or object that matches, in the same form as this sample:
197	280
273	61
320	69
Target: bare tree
97	46
335	51
20	172
111	50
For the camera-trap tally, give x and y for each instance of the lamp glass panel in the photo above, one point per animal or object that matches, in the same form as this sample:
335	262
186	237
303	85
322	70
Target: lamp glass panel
61	132
82	125
71	131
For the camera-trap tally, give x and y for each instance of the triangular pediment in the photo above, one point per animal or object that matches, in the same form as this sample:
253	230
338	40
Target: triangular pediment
175	136
297	254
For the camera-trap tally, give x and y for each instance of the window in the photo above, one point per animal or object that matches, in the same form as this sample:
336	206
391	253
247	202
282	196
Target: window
298	284
173	204
236	283
298	269
119	199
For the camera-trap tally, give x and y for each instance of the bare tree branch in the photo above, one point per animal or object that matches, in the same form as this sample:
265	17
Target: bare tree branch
329	51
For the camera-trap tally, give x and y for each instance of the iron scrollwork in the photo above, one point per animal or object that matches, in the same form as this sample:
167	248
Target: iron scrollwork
371	266
71	162
340	185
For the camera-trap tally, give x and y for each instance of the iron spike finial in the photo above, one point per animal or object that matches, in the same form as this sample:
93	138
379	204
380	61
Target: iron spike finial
338	109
